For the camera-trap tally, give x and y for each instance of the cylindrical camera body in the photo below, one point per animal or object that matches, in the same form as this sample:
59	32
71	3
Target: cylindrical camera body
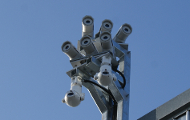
124	31
87	44
107	25
88	26
70	50
106	40
76	85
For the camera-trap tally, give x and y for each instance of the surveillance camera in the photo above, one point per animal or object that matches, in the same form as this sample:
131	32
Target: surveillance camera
87	44
70	50
75	95
106	40
105	76
72	99
88	26
107	25
124	31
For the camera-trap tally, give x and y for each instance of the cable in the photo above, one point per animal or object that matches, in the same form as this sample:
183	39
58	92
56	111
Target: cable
124	80
101	88
109	93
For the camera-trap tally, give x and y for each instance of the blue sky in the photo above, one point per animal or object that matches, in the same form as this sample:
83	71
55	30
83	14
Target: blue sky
33	68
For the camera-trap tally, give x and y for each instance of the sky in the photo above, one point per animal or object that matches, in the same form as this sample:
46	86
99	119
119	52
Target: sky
33	68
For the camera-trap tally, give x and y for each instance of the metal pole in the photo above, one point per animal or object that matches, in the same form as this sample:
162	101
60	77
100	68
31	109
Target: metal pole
187	115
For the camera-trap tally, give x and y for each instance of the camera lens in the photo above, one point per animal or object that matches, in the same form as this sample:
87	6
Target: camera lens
67	47
88	21
126	29
107	25
105	37
105	72
85	42
70	94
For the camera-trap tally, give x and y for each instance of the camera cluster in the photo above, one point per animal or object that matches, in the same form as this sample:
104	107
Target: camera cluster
90	46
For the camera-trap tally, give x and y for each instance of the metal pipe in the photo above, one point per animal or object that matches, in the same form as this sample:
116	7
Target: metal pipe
187	115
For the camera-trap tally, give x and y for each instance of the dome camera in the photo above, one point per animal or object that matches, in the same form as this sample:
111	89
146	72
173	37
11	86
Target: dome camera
72	98
75	95
105	76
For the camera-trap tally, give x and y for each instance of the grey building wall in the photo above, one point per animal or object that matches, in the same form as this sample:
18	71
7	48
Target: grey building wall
171	108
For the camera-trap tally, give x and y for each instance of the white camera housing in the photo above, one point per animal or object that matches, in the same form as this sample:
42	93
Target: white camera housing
88	46
88	26
75	95
70	50
107	25
124	31
106	40
105	76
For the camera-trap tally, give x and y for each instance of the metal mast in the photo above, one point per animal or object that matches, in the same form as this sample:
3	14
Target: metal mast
101	64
